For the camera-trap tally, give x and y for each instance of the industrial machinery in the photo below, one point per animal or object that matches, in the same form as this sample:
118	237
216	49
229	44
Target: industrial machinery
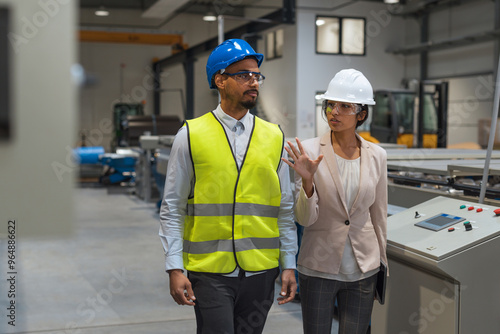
120	113
151	168
89	166
443	270
398	115
419	174
119	167
130	123
96	166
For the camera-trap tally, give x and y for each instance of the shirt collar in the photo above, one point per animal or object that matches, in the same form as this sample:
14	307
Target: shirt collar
246	121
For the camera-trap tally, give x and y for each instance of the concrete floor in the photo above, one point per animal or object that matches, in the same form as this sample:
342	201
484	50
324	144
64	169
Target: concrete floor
108	277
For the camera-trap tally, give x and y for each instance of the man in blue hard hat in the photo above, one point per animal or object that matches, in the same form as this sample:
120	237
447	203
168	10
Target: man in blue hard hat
227	213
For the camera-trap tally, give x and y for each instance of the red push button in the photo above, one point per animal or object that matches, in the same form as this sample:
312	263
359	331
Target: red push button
451	229
497	212
470	208
479	209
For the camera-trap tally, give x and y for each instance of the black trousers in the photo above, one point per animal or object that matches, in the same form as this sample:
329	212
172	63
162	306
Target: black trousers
232	305
354	299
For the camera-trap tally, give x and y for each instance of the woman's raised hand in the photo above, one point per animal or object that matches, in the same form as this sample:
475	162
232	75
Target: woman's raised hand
302	164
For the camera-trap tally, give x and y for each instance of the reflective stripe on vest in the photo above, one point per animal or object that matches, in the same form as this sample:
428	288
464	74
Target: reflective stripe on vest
243	209
232	218
212	246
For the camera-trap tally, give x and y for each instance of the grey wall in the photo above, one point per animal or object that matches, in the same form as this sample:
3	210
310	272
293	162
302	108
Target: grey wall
37	170
278	96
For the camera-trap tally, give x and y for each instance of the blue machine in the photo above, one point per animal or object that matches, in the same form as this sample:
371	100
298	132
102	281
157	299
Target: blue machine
119	168
88	155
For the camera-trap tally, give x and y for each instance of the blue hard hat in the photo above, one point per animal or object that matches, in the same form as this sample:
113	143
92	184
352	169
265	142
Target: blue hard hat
228	52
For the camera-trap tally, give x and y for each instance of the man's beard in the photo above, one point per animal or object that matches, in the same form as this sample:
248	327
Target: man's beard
250	104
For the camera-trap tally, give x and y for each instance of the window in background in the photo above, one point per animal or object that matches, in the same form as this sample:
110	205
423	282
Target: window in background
340	35
280	40
274	44
327	34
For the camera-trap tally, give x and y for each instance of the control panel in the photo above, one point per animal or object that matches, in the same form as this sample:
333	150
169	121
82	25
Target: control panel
442	227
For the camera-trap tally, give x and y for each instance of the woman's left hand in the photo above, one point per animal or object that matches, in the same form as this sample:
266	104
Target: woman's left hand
302	164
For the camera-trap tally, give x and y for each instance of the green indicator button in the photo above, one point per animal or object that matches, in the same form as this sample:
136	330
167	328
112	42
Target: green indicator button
462	206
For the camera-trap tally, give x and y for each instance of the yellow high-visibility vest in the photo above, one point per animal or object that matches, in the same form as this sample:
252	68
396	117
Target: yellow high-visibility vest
232	219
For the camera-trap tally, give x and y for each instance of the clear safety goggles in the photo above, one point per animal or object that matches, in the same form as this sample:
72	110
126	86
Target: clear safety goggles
247	77
343	108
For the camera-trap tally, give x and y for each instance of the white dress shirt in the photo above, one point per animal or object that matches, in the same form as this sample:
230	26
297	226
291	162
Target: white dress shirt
179	185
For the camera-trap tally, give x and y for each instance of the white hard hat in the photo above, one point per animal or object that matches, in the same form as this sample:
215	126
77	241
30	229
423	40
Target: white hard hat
350	86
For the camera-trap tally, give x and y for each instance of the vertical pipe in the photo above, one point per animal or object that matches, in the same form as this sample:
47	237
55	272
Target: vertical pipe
424	38
442	135
220	21
491	141
497	26
156	87
122	66
420	116
289	11
189	72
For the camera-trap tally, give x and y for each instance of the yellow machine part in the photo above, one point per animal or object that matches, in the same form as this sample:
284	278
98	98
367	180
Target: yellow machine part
430	140
366	136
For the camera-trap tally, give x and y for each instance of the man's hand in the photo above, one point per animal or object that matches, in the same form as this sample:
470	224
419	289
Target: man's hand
288	286
180	288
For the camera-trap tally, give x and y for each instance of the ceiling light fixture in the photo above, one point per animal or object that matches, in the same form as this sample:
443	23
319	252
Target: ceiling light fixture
102	11
391	1
209	17
320	22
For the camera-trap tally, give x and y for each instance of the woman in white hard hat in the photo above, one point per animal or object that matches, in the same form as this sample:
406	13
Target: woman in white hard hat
342	203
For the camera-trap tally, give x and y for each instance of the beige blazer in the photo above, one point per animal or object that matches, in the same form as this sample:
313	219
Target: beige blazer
326	218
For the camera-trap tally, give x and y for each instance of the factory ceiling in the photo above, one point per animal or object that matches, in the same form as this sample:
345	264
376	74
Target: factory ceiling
157	13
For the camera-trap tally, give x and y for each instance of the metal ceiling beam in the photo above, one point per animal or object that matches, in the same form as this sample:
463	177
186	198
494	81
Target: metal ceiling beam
418	8
481	37
129	37
122	4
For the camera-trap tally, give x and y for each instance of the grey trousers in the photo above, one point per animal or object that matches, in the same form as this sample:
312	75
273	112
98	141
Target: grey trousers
354	300
232	305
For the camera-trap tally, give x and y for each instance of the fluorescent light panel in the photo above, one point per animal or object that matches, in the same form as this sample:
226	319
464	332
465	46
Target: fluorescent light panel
102	11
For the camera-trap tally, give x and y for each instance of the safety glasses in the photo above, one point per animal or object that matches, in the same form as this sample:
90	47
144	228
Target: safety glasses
342	108
247	77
